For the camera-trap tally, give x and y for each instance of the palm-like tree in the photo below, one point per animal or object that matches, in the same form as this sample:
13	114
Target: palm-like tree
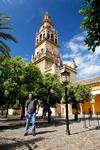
4	35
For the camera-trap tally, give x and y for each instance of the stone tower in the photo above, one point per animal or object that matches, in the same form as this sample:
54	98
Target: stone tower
46	55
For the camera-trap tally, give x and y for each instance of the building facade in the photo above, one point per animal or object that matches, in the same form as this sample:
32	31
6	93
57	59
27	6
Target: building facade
94	104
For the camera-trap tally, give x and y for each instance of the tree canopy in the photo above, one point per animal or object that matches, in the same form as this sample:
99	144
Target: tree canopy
18	78
52	81
91	23
78	93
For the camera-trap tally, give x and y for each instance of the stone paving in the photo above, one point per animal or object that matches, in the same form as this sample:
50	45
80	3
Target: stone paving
49	136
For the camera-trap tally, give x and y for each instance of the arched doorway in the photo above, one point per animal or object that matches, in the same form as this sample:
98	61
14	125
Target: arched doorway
97	103
86	106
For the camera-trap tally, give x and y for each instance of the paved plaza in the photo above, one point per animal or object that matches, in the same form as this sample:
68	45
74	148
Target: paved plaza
49	136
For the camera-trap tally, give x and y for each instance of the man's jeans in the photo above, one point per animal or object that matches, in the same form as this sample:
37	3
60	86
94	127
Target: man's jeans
28	119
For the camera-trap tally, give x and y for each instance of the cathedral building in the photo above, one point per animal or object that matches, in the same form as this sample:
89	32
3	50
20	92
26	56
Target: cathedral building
47	58
47	54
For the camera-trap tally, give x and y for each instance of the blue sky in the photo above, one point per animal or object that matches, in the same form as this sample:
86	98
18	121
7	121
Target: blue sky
27	16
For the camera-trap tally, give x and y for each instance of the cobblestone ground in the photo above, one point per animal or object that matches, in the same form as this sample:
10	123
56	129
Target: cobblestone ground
49	136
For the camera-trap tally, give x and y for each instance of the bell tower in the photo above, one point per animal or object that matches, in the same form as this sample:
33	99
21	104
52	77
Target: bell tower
46	52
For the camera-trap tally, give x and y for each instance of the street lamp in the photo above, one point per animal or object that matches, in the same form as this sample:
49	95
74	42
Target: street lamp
65	79
1	90
48	103
0	72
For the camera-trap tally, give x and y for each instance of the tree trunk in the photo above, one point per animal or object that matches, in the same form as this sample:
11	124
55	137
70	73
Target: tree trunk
76	115
22	112
48	104
44	112
49	113
7	110
2	112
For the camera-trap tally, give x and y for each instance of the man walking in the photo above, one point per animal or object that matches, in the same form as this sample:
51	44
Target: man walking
31	109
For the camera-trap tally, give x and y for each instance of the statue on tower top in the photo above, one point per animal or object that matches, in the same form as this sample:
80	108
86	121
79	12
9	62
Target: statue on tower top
46	18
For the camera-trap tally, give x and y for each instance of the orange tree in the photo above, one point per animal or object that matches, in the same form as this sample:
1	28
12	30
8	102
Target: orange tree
77	93
18	78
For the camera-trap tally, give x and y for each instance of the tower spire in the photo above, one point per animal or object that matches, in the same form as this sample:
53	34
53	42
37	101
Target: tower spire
47	18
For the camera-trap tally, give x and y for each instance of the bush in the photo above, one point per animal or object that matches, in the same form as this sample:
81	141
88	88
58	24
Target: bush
16	106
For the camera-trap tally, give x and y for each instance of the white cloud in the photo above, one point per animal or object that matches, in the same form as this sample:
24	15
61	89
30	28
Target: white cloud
78	38
67	62
25	59
76	43
89	71
68	56
97	50
73	46
87	61
79	60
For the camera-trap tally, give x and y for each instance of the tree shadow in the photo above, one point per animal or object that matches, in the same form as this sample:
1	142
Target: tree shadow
88	130
17	143
43	132
12	126
40	123
98	127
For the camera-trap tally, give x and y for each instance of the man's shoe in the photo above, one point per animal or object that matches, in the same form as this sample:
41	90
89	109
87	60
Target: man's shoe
34	134
25	134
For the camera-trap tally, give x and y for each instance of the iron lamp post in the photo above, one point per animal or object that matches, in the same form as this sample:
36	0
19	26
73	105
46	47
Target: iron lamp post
50	90
65	76
1	90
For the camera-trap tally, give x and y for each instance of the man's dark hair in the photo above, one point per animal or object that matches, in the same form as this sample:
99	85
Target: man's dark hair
30	93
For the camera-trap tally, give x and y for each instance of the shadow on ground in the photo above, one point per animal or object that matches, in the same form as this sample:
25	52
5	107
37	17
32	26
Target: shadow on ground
87	130
43	132
40	123
12	144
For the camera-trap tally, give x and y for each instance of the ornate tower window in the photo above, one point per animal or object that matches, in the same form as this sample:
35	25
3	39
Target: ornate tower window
52	37
56	40
44	36
37	41
42	50
48	35
40	37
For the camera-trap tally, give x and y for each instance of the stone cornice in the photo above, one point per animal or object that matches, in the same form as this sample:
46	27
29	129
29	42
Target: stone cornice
69	68
47	41
93	84
90	81
48	29
41	59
